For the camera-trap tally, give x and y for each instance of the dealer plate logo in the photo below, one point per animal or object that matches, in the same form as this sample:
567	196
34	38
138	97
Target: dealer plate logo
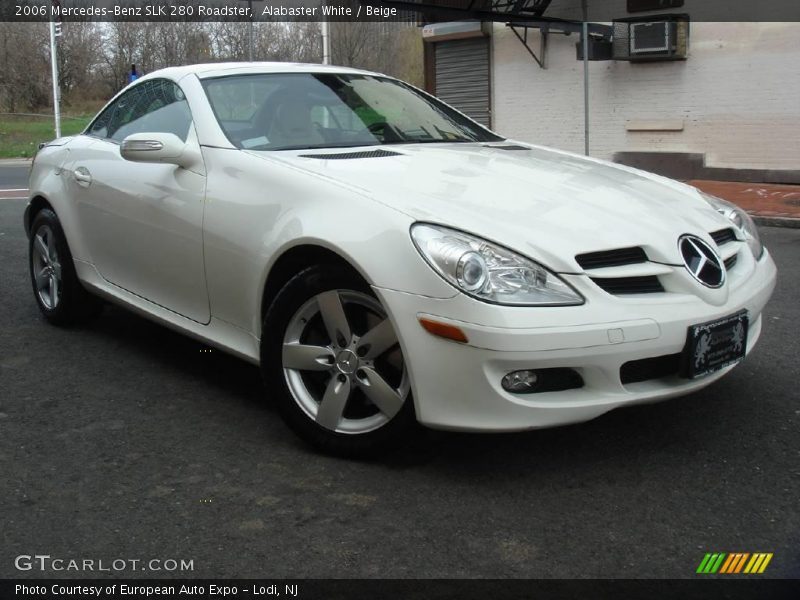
734	563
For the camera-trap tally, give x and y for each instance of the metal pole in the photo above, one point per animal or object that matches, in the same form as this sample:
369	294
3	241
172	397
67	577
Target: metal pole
250	34
585	39
326	58
586	88
326	42
54	69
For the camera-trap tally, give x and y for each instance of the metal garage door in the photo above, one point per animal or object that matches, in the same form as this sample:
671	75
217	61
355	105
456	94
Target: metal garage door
462	76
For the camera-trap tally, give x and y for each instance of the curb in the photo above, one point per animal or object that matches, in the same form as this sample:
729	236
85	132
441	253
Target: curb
787	222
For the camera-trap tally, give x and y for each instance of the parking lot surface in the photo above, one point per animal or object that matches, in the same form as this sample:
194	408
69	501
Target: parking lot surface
122	439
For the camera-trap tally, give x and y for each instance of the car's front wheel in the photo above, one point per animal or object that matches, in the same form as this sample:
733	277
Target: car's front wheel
58	292
332	363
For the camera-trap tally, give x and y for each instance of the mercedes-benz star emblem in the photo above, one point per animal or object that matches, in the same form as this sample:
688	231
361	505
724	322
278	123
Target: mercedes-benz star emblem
701	261
347	362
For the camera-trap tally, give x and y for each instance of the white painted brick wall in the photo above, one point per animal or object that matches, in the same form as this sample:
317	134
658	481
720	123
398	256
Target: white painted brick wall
738	95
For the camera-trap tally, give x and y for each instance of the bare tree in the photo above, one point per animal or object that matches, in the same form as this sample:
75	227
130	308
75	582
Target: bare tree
290	41
228	40
124	45
80	51
95	58
393	48
277	41
24	66
180	44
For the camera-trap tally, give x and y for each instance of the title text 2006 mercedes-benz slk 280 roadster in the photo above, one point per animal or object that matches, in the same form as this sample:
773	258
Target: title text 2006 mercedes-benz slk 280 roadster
386	260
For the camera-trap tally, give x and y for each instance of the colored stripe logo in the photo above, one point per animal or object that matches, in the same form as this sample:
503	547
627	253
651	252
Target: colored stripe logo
734	562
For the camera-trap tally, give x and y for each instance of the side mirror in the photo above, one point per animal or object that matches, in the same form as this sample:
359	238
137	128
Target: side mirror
156	148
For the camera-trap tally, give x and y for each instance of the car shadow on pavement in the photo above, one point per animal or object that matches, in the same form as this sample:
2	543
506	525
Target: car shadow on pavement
673	430
636	434
220	372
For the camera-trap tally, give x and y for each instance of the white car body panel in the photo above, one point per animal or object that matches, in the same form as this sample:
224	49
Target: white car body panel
193	248
546	204
143	225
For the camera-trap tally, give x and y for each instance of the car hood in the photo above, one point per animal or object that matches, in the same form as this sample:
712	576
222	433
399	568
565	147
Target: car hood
547	204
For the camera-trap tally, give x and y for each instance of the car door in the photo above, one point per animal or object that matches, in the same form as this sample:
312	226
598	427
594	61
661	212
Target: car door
143	221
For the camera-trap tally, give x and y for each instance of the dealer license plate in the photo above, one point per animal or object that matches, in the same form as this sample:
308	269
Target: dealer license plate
715	345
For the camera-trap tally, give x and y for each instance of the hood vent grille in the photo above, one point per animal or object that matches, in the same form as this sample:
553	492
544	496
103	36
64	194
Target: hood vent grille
611	258
730	262
649	284
723	236
353	155
507	147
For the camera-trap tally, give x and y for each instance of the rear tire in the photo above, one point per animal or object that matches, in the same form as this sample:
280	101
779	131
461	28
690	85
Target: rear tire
56	288
327	342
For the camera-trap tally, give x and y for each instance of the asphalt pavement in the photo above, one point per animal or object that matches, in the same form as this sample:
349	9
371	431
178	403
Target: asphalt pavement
122	439
14	178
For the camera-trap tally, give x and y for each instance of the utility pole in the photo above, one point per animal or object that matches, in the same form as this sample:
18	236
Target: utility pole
326	42
585	35
250	33
55	31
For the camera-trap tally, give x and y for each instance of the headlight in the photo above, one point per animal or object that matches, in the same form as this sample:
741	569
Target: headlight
741	220
490	272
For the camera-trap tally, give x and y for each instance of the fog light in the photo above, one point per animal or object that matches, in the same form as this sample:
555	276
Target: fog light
520	382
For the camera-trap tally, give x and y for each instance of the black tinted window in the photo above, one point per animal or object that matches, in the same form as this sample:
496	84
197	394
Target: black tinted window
157	106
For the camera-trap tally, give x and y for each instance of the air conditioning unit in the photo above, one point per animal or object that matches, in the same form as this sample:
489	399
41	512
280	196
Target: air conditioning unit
664	37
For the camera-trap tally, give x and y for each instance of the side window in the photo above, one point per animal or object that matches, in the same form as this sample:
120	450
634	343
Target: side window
100	126
157	106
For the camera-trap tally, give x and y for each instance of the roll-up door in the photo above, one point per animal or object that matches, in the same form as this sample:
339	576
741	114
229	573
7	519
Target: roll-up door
462	76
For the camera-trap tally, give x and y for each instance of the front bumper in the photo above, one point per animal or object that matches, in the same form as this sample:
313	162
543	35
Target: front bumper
457	386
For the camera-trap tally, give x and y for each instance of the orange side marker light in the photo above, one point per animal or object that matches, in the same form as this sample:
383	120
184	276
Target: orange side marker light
444	330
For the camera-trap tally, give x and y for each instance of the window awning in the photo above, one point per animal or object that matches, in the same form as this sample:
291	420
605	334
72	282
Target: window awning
522	13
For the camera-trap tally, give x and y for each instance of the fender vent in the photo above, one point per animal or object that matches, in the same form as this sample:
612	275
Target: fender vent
611	258
353	155
723	236
618	286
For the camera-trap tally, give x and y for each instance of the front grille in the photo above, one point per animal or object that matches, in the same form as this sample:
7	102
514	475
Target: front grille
730	262
353	155
648	284
650	368
723	236
611	258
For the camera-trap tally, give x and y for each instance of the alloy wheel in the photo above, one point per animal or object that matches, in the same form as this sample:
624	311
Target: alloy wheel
46	267
343	364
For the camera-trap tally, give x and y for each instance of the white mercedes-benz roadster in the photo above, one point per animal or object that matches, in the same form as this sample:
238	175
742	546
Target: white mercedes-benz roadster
388	261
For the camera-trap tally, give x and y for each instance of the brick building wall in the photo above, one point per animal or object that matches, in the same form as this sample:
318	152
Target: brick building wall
737	97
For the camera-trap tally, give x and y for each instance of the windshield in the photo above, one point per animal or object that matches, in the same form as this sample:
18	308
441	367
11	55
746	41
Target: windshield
287	111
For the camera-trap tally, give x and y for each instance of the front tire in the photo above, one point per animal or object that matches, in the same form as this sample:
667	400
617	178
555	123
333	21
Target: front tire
56	288
333	365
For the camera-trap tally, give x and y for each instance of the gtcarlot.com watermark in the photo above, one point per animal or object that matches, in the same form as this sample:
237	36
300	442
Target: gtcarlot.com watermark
47	563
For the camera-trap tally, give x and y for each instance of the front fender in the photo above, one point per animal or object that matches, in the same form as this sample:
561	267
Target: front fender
48	185
258	209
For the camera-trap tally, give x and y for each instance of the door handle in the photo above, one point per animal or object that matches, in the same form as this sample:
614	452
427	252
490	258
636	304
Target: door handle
83	177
